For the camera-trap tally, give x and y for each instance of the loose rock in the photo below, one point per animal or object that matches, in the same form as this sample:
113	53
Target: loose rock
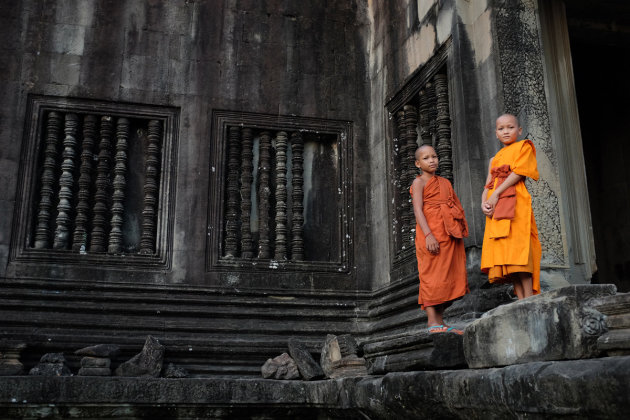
147	363
280	367
307	366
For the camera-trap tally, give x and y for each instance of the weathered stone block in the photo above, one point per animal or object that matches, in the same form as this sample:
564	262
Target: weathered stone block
100	350
554	325
95	362
147	363
420	351
280	367
308	367
94	371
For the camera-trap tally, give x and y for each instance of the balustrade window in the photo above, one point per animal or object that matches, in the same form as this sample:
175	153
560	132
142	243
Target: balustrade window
284	192
420	115
95	182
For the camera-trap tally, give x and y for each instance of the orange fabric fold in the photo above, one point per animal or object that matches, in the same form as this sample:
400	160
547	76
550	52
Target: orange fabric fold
512	245
443	277
506	204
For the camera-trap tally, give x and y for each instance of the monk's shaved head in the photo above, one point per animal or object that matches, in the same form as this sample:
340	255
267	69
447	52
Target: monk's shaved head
421	149
512	116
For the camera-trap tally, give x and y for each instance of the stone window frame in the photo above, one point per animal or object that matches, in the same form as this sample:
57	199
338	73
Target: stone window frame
438	64
342	130
160	257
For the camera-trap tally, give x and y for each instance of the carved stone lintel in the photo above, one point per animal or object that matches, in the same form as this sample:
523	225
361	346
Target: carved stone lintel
247	167
151	187
120	181
297	197
47	192
79	239
281	196
264	193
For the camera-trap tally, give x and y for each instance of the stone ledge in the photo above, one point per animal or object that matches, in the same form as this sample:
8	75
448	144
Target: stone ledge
594	388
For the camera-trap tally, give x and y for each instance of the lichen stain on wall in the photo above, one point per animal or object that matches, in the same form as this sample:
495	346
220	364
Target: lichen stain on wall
481	35
420	47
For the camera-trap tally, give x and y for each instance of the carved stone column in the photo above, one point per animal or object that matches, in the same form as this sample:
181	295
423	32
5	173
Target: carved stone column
231	213
444	148
281	196
264	193
103	186
247	167
151	187
79	240
297	196
120	182
425	117
66	183
410	123
47	192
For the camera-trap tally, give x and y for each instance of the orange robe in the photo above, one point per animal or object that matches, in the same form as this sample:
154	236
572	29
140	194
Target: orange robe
512	245
442	276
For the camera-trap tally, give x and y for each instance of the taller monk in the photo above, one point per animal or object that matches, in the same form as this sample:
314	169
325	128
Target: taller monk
440	229
511	250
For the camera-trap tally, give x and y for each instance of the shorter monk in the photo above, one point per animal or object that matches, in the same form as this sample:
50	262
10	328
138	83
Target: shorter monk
440	229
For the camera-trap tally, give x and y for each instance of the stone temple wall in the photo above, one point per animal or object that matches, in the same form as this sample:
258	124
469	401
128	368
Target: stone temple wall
224	175
136	138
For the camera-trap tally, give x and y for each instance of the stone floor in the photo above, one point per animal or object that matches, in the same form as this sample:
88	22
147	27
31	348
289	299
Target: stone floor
594	389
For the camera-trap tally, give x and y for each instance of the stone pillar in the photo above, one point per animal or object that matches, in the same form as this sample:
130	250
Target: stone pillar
517	29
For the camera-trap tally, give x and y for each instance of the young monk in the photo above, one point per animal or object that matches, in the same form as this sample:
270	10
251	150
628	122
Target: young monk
511	250
440	227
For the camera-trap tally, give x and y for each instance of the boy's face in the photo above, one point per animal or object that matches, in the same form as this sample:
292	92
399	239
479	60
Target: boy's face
426	159
508	129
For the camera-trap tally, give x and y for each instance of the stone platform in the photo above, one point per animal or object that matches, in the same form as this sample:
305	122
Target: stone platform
593	389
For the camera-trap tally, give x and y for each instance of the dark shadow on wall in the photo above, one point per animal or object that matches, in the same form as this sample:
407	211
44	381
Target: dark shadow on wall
601	56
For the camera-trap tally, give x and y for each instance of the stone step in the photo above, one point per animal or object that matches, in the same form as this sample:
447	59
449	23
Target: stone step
612	305
615	342
618	321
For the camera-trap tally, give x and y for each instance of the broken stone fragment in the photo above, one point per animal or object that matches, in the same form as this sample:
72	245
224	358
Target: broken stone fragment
53	358
99	350
307	366
337	359
280	367
147	363
10	358
51	364
173	371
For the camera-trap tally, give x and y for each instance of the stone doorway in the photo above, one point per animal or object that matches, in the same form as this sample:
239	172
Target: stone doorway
599	37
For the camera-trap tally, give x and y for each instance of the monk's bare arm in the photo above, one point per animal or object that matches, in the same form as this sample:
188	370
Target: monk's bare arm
486	208
418	188
509	181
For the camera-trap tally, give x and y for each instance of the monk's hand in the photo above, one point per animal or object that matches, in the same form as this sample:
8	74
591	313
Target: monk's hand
487	208
432	244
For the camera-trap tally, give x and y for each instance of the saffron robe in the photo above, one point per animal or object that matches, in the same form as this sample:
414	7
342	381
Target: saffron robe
443	275
512	245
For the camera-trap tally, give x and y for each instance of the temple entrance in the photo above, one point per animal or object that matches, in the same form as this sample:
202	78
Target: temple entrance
600	50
